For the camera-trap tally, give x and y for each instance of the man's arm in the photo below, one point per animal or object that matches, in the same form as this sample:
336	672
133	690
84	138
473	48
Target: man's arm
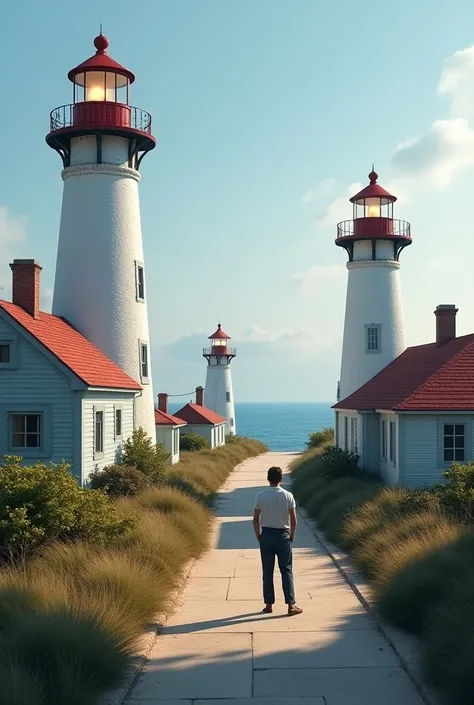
256	522
293	523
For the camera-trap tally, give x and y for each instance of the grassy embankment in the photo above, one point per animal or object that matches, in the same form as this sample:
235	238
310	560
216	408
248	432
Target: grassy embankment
71	613
416	548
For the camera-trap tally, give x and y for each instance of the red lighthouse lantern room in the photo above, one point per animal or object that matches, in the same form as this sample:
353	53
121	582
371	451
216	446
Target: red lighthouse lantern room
373	220
219	346
101	91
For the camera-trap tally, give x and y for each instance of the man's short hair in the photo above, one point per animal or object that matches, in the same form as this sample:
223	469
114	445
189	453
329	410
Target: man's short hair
275	475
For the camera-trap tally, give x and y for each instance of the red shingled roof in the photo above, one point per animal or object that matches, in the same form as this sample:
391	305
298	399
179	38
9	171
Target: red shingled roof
196	415
423	378
164	419
72	349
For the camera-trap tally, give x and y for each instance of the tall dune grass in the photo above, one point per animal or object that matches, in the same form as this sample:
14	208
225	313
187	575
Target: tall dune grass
71	617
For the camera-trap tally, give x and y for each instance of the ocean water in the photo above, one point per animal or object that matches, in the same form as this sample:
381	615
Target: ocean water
283	426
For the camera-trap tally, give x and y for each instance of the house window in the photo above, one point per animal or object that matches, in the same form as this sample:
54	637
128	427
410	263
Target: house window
454	442
346	439
372	340
4	353
99	431
354	439
384	446
227	396
26	430
144	362
140	281
118	422
392	441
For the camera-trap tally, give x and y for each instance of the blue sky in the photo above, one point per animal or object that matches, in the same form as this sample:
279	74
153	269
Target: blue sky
267	113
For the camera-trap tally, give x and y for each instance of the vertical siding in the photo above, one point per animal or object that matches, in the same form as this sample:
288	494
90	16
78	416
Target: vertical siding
419	450
212	434
370	431
112	447
38	381
166	436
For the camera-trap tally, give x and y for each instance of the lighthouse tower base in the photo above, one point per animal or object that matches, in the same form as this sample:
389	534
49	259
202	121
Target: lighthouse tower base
374	332
219	395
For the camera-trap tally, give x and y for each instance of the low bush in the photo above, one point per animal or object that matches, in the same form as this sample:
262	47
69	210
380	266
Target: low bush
320	438
336	462
448	645
190	441
408	599
40	503
119	481
142	453
456	494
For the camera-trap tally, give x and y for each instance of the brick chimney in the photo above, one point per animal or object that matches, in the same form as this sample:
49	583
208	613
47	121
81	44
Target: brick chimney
445	323
26	285
163	402
200	396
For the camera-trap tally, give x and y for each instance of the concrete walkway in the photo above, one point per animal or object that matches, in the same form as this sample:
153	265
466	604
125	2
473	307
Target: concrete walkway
219	650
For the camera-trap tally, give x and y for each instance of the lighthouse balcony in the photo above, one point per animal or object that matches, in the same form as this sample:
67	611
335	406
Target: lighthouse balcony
219	351
373	228
100	115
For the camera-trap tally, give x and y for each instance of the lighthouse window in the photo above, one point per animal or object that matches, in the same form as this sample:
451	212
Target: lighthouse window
140	281
372	341
144	362
227	396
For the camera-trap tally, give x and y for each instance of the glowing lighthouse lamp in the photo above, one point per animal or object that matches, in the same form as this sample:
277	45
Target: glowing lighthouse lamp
218	392
374	332
100	272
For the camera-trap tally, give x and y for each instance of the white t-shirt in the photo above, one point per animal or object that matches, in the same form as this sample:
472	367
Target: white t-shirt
275	504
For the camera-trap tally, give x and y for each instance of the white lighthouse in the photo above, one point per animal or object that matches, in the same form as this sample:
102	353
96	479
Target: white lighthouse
218	393
100	273
374	331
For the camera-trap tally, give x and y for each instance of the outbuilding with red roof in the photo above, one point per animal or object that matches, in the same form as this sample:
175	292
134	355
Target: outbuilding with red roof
416	416
61	398
203	421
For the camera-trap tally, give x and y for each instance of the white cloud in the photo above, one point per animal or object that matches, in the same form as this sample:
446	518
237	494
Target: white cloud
320	279
339	209
321	190
457	82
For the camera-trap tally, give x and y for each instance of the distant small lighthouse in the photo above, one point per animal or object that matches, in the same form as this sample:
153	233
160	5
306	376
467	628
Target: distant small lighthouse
374	331
218	394
100	273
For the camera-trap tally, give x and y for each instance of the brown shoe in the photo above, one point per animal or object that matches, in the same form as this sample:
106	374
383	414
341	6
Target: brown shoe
293	609
268	609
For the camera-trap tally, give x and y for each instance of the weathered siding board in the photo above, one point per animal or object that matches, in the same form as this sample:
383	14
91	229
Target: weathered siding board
112	447
38	381
169	437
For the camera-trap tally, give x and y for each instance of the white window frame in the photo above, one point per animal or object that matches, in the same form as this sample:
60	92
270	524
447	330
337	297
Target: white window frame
392	441
99	410
383	433
118	408
142	344
39	433
355	434
373	338
346	433
139	266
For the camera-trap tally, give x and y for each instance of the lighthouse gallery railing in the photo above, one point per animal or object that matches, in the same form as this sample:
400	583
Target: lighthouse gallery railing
102	114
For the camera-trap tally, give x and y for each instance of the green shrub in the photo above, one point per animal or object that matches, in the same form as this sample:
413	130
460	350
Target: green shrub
150	458
119	481
40	503
336	462
409	597
456	495
320	438
191	441
448	645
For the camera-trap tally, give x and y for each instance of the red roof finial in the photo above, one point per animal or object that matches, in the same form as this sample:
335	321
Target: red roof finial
373	176
101	43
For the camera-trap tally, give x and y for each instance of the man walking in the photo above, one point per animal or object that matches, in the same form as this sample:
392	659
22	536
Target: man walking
274	523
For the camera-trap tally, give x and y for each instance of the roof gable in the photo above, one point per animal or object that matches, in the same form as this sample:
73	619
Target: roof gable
164	419
70	348
196	415
423	378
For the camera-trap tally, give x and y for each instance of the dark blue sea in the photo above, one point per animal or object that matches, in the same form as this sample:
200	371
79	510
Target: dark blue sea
283	426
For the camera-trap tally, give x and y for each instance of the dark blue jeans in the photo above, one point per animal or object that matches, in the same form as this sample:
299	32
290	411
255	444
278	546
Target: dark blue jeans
276	543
